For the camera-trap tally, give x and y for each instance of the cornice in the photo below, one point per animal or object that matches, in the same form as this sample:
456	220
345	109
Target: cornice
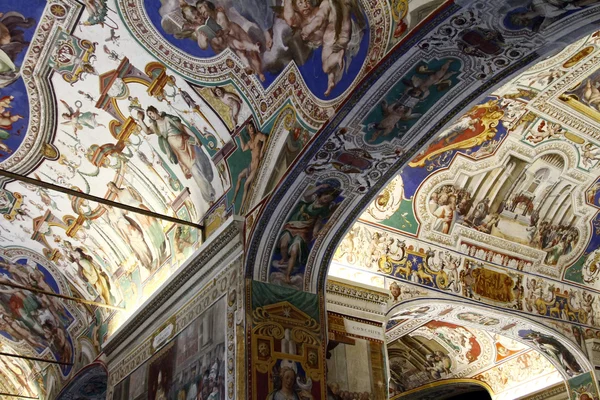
358	293
207	255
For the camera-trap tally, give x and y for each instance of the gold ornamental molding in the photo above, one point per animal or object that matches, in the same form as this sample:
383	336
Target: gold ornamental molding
350	291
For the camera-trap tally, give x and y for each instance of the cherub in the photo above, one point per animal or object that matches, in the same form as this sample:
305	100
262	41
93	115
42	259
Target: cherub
78	120
550	76
392	115
590	154
545	131
231	100
439	78
417	89
591	94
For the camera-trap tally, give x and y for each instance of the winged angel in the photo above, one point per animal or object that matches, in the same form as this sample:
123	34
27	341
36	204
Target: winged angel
268	34
77	119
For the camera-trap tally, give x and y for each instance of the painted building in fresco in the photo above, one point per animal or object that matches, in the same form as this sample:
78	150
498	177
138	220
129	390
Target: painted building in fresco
299	199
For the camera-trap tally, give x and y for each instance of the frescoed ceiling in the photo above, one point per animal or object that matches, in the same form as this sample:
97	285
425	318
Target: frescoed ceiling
436	341
500	208
440	350
129	130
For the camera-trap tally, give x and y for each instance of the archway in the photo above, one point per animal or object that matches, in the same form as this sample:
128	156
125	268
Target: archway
337	157
458	389
434	341
89	383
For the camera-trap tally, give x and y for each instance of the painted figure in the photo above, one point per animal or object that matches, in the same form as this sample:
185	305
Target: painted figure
268	35
132	233
416	90
231	100
212	27
285	391
77	119
57	339
393	114
181	147
328	24
17	330
20	374
160	391
142	232
257	144
23	314
6	121
466	123
395	291
545	78
89	271
590	154
12	43
539	14
554	349
6	118
306	222
545	131
445	213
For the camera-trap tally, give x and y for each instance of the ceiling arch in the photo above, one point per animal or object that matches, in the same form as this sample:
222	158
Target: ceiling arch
456	388
347	149
126	136
501	345
89	383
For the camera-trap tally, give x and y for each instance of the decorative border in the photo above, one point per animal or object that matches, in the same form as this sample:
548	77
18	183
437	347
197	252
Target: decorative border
550	392
577	352
546	102
462	164
443	383
352	292
260	248
525	302
226	66
36	76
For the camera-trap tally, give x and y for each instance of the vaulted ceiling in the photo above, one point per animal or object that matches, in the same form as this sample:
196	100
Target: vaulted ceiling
507	193
130	129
